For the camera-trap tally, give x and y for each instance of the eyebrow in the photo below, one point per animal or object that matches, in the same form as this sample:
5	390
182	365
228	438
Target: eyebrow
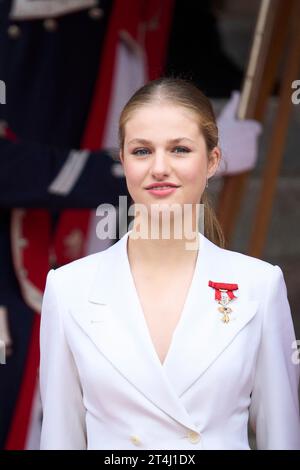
147	142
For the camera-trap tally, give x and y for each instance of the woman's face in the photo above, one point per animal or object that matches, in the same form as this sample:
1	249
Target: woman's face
164	145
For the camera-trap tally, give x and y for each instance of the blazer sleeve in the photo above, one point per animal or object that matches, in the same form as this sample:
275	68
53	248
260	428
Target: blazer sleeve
63	425
274	409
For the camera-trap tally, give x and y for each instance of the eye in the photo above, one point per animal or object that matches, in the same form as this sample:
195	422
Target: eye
141	151
180	149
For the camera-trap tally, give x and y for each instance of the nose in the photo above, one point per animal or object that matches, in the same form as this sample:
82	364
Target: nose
160	165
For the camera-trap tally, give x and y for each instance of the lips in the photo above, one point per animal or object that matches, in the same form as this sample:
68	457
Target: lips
164	185
162	189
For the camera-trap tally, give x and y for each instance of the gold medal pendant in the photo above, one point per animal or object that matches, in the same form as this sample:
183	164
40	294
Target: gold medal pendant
226	311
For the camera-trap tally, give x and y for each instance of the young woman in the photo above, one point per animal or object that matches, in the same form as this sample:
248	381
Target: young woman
168	342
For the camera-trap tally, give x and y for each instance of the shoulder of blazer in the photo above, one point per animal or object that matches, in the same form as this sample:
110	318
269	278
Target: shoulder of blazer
73	280
235	259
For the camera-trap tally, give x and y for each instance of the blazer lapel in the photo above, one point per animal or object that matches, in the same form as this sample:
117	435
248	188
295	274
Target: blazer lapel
114	321
201	335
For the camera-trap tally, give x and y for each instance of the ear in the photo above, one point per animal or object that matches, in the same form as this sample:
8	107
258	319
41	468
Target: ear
121	157
213	161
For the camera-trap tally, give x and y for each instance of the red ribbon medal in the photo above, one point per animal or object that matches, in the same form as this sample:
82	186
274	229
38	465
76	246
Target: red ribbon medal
223	295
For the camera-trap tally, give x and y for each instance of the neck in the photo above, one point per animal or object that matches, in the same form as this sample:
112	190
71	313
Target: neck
162	253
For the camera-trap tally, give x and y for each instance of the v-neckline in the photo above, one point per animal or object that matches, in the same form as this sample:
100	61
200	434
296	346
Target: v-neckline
184	312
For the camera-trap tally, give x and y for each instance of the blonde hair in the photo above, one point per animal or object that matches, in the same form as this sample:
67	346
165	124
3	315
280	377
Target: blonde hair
183	93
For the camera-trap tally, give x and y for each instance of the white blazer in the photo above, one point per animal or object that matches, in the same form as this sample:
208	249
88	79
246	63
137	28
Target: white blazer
102	383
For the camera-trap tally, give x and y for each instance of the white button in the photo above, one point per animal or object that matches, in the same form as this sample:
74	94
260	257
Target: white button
22	242
14	31
96	13
135	440
23	273
193	437
50	25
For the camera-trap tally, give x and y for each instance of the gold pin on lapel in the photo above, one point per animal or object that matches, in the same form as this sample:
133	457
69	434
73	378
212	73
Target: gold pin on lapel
224	309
